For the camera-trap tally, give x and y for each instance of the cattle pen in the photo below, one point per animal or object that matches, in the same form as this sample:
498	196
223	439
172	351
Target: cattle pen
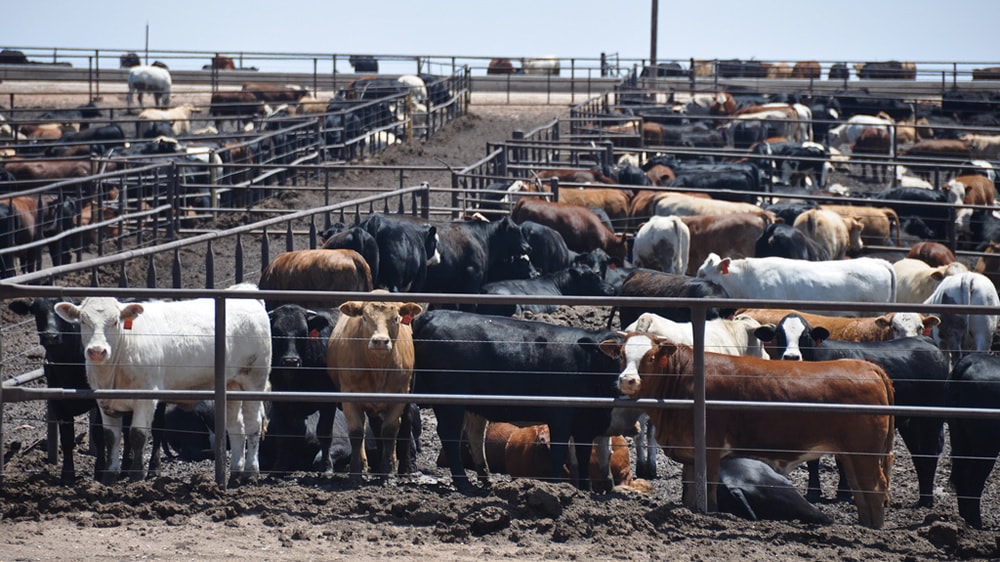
180	232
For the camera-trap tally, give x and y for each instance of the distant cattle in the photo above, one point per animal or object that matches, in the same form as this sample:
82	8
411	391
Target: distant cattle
128	60
316	270
242	107
889	70
500	66
658	369
149	79
171	346
363	63
275	93
371	351
220	62
806	69
179	117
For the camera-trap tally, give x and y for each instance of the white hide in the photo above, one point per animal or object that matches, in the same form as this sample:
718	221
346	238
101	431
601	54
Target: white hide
662	243
958	333
151	79
730	337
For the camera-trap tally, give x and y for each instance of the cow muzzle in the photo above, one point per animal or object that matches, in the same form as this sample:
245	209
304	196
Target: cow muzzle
791	356
97	354
380	343
629	384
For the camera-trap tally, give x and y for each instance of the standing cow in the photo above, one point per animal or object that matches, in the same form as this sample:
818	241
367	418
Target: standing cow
371	351
162	345
149	78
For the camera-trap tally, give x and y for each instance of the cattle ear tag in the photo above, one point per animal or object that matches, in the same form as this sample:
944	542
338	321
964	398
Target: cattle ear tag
314	334
928	332
817	342
407	318
661	362
128	323
725	268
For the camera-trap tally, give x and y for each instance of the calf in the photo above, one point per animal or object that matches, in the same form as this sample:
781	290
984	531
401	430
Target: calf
650	366
371	351
317	270
975	442
461	353
918	370
171	346
753	490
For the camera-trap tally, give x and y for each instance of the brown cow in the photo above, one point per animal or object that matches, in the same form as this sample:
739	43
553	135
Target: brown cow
656	368
242	107
728	235
500	66
371	351
806	69
574	176
46	171
316	270
933	253
660	175
839	235
917	157
873	143
220	62
582	230
876	222
275	93
614	202
863	329
989	265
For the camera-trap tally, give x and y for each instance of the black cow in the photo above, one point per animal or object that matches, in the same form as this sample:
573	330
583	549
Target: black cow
975	443
298	364
917	367
342	126
406	247
785	241
78	115
64	368
926	221
357	239
723	178
99	139
363	63
792	162
549	252
868	104
753	490
475	252
790	210
189	431
575	280
650	283
984	228
462	353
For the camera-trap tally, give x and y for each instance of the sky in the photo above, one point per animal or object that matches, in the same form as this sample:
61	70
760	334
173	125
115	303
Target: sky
916	30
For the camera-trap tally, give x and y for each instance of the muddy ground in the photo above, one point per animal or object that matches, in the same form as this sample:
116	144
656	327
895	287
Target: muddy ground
183	514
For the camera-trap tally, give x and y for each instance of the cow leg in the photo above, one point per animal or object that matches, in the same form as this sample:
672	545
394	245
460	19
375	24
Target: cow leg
404	450
924	438
253	425
356	433
645	449
814	492
603	446
158	431
582	447
389	435
67	443
687	486
324	433
113	441
236	431
864	474
449	429
96	432
138	434
475	431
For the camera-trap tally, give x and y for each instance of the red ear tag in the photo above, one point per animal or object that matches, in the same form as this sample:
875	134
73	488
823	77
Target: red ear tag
928	332
612	265
661	362
725	268
817	342
407	318
313	334
128	323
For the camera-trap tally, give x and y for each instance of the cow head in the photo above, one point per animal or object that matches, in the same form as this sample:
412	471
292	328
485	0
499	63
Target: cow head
639	354
52	329
102	320
912	324
381	320
790	337
714	268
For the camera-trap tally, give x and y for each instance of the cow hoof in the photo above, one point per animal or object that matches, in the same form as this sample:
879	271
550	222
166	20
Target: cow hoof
925	501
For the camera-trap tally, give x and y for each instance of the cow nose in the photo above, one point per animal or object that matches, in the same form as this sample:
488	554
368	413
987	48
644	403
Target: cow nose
290	362
97	354
629	384
380	342
49	338
791	356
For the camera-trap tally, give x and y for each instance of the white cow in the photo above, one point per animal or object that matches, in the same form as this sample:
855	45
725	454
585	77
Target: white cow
179	117
916	280
163	345
852	280
730	337
152	79
958	333
844	136
663	244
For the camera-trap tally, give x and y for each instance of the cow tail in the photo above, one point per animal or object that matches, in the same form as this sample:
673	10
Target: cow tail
894	218
888	456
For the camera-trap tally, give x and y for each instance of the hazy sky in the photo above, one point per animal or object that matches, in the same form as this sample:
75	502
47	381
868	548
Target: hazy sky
920	30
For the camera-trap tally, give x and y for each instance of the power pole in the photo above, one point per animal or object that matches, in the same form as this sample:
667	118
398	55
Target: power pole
652	34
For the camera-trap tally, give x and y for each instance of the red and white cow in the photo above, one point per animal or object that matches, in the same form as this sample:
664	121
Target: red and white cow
853	280
170	345
662	243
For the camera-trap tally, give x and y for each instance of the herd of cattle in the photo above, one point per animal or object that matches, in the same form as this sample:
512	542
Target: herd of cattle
621	238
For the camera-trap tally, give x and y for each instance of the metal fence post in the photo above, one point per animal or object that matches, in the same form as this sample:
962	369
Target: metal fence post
220	392
698	314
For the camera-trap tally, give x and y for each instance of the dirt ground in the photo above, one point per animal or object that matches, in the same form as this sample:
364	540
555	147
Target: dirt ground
183	514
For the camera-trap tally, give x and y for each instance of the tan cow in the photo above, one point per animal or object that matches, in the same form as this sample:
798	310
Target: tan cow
316	270
682	204
179	117
839	235
915	280
876	222
371	351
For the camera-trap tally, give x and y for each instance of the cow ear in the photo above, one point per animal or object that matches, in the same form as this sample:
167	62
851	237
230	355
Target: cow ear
819	334
724	265
352	308
131	311
665	346
20	307
883	321
931	321
611	347
68	312
410	309
765	333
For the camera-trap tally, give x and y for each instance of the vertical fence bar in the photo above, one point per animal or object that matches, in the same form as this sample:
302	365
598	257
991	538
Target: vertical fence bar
220	392
698	315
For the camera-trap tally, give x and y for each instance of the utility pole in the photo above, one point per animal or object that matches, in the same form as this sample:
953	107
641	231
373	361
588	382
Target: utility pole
147	41
652	34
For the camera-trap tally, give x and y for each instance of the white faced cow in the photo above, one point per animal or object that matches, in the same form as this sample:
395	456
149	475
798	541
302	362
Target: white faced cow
171	346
